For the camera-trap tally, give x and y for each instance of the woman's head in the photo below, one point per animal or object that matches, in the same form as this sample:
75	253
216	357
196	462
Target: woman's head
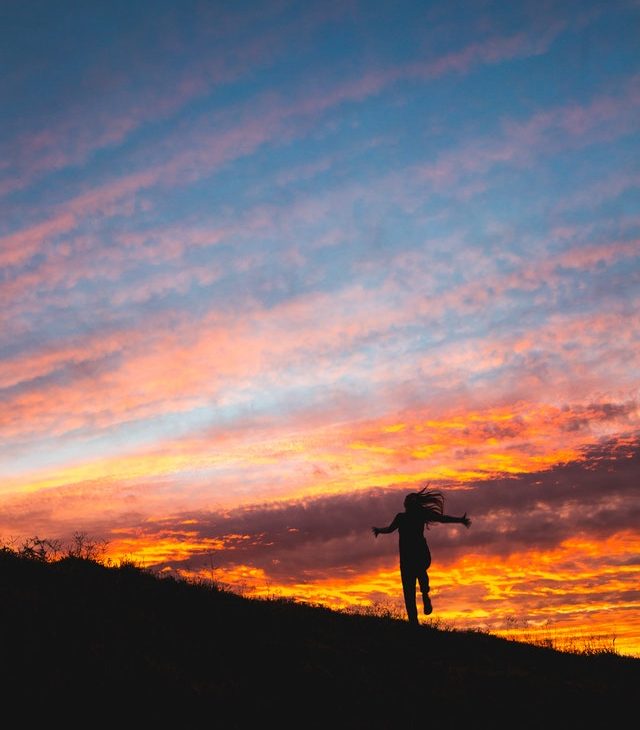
424	499
412	501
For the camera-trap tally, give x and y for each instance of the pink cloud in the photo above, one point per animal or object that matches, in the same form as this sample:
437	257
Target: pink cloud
43	362
600	191
489	51
17	247
92	260
606	117
51	149
85	128
308	318
183	367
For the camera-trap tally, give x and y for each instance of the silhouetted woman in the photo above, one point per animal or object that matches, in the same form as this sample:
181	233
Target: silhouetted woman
420	508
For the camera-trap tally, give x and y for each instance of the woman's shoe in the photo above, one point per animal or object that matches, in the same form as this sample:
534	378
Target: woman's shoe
428	608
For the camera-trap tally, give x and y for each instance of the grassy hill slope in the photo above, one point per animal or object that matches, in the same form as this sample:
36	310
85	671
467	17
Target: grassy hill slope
77	634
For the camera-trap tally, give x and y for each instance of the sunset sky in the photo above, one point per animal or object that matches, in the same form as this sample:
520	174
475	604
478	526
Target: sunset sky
265	267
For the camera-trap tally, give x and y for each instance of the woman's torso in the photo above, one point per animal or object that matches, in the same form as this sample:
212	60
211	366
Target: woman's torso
411	530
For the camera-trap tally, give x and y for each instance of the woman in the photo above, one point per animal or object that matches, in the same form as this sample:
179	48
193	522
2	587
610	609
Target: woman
420	508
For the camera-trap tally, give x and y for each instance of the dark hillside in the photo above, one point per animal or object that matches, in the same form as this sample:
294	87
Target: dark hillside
76	634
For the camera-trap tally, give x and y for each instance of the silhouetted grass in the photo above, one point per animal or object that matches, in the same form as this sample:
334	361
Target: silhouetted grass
118	641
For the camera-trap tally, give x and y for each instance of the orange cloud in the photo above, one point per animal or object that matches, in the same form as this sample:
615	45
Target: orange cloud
541	596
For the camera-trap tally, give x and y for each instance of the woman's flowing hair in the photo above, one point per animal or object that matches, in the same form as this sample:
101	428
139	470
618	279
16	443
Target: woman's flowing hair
429	500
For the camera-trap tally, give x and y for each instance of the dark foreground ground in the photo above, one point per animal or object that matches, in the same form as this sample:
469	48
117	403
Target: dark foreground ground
91	646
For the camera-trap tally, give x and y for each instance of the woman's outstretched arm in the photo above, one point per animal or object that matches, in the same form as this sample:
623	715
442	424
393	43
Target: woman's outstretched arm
386	530
464	520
